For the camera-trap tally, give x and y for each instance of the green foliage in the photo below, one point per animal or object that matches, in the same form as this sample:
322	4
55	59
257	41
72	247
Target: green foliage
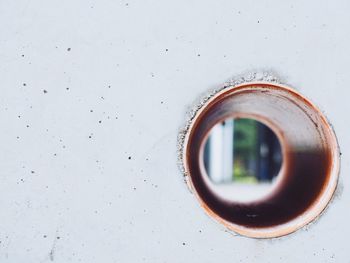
245	138
245	145
242	175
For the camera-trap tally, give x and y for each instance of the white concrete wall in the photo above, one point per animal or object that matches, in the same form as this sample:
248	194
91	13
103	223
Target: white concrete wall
138	65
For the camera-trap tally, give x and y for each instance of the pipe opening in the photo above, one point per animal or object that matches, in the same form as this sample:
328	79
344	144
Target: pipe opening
300	180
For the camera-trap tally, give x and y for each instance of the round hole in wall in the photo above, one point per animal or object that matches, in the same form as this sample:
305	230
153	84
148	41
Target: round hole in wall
309	160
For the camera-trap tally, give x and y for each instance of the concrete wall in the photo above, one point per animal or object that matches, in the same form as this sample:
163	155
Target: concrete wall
92	96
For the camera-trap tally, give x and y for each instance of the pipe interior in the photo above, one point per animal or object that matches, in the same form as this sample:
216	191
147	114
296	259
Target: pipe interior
307	158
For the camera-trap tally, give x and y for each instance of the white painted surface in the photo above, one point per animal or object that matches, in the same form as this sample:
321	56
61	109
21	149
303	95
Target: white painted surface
221	152
157	57
216	152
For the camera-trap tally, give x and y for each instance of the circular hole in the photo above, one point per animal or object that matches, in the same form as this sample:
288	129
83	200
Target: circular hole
308	168
242	159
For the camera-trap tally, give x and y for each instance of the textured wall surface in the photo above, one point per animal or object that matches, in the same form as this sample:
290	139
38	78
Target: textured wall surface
93	94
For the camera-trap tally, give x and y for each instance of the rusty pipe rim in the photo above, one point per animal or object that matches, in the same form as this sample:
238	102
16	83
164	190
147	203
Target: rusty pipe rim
321	137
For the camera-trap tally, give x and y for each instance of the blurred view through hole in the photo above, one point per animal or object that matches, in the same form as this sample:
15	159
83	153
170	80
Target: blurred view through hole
242	158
